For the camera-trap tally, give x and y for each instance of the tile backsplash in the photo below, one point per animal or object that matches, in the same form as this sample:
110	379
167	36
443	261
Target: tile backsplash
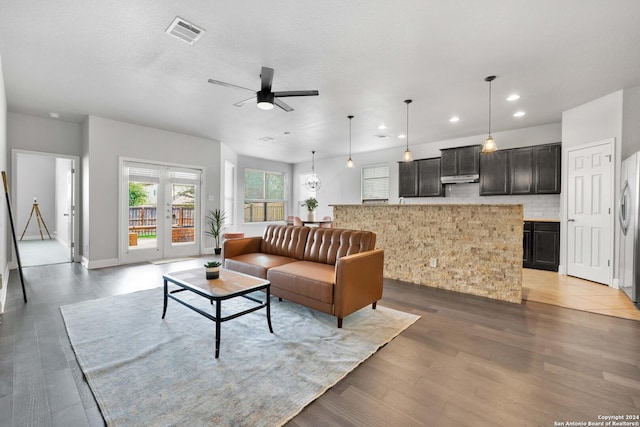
545	206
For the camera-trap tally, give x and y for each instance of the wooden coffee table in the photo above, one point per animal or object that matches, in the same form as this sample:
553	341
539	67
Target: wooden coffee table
230	285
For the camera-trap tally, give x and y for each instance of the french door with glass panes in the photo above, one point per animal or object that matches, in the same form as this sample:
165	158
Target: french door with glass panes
160	216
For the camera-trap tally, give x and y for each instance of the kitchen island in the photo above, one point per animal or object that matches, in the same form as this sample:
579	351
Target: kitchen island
469	248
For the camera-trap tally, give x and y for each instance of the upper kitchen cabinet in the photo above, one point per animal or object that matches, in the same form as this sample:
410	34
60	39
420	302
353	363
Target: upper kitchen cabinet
522	170
518	171
548	164
494	173
429	184
461	161
408	179
420	178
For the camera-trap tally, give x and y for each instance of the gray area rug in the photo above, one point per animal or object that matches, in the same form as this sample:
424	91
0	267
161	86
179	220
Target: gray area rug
147	371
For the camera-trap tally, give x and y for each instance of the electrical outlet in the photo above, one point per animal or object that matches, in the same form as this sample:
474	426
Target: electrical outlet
433	262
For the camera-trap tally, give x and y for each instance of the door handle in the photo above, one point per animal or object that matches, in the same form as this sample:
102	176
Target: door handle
571	220
623	215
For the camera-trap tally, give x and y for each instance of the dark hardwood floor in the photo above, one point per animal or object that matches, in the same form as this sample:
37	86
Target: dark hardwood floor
467	361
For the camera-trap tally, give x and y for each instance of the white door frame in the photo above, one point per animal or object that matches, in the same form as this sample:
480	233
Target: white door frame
565	202
122	242
74	255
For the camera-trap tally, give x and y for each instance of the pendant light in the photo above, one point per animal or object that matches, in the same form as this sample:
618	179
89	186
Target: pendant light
350	162
313	182
407	157
489	145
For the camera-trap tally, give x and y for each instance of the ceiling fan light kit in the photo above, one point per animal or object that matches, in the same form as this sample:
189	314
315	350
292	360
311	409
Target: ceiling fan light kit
489	145
265	97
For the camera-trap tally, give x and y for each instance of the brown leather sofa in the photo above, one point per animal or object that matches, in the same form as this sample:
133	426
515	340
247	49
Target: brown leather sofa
331	270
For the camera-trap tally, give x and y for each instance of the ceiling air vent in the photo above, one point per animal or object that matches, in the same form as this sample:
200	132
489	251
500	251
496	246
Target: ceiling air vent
185	31
381	136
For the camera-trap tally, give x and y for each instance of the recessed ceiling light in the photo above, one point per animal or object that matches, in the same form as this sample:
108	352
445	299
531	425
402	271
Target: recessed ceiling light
518	114
402	136
513	97
54	115
382	126
454	119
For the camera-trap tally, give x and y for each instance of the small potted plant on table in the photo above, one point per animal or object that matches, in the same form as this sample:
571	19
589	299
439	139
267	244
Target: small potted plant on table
212	269
311	203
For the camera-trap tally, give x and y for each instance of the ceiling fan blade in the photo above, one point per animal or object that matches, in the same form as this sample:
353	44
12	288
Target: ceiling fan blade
296	93
246	101
282	105
266	77
218	82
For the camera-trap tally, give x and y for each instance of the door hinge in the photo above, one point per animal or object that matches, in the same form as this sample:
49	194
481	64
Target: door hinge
608	263
609	211
73	245
608	156
73	170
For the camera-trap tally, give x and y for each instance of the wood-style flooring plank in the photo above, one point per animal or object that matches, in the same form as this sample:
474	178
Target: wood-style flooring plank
468	360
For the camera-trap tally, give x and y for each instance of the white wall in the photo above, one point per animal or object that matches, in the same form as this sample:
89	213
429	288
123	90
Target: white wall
107	141
26	132
630	122
5	234
34	179
342	185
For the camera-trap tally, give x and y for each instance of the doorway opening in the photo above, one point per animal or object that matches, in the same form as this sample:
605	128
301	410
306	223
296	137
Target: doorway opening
45	190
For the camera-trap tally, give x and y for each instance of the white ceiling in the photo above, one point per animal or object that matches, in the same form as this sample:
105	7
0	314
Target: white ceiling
113	59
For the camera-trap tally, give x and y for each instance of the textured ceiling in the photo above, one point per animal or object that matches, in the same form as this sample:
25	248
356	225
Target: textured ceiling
113	59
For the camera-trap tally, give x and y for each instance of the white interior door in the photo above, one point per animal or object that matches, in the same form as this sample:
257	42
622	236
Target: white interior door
589	212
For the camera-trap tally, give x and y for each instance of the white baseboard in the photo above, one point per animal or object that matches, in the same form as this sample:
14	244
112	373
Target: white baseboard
615	284
101	263
562	270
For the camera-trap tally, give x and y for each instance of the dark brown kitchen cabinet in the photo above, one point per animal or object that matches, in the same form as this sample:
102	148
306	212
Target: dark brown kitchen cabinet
547	168
408	179
460	160
541	245
519	171
522	170
429	184
420	178
494	173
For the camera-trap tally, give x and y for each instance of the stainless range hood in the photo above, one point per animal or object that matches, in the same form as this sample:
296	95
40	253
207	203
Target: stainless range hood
459	179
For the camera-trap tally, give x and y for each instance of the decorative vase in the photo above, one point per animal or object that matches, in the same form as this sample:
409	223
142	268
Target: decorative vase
311	215
212	272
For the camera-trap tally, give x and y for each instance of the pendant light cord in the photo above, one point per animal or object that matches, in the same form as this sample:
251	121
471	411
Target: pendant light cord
490	107
408	124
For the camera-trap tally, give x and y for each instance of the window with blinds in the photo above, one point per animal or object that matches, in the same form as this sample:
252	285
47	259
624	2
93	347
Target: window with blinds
264	195
375	183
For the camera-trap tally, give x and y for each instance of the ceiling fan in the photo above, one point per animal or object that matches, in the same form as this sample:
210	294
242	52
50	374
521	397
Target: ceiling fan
265	97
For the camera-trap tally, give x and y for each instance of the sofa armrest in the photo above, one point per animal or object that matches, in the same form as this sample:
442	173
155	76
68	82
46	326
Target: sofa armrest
235	247
359	280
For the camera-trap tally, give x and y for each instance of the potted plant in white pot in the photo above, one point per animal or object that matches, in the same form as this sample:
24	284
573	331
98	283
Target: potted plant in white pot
311	203
212	269
215	221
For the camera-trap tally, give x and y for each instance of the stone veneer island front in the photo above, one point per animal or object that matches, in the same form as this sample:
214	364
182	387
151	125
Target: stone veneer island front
477	247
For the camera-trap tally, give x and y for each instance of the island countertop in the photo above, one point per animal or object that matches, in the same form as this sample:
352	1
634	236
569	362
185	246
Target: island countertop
470	248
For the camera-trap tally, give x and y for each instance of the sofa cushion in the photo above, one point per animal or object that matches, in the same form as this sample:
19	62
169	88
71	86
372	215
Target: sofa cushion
326	245
284	240
311	279
255	264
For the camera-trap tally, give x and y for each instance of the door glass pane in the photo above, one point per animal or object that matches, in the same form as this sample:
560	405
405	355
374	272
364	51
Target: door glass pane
143	193
182	213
